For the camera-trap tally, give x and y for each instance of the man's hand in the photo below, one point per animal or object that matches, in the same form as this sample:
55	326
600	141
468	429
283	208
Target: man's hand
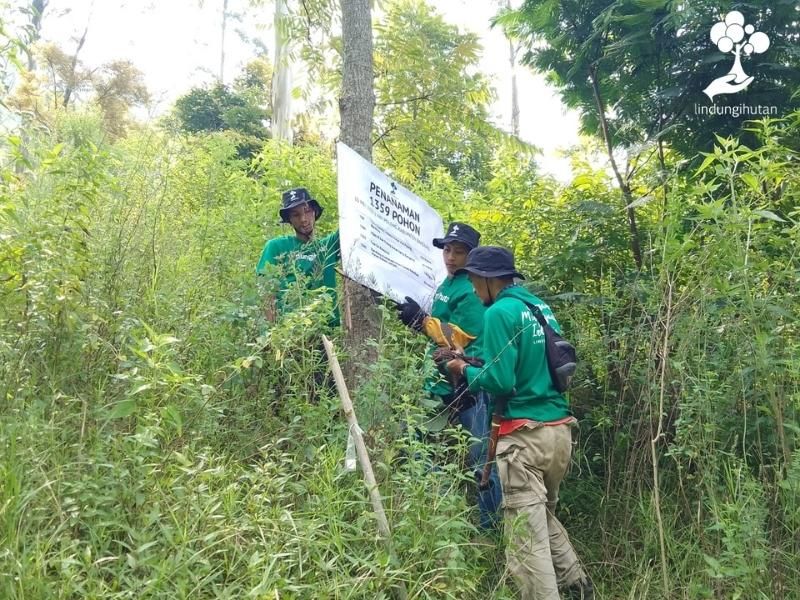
456	367
444	355
411	314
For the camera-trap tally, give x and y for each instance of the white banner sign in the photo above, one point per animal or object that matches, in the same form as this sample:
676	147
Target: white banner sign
386	232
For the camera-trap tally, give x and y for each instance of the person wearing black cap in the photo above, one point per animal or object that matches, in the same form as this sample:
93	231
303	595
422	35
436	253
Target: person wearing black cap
300	258
456	322
534	443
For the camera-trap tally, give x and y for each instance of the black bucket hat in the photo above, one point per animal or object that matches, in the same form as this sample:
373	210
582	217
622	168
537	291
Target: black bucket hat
491	261
296	197
459	232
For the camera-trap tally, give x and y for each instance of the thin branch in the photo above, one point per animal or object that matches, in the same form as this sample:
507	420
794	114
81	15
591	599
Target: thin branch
384	134
427	96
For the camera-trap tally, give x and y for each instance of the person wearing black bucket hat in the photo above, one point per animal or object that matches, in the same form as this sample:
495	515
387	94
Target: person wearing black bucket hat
300	258
456	322
295	198
534	437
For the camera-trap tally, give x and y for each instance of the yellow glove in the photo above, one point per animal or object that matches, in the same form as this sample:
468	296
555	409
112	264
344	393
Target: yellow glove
446	335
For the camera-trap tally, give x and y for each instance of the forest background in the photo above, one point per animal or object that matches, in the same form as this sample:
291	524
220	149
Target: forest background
157	439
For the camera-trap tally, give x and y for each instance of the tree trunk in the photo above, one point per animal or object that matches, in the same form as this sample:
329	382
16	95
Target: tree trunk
37	9
282	77
356	107
514	94
512	60
72	82
624	186
222	42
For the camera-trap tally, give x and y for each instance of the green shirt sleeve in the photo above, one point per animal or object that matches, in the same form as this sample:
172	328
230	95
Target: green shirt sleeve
497	376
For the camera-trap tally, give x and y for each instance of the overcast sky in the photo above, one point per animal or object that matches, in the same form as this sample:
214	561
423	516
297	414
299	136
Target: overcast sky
176	44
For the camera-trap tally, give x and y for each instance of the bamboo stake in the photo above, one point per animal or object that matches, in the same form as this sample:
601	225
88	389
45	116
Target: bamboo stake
363	459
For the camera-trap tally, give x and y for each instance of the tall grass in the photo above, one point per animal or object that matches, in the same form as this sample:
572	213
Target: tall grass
158	439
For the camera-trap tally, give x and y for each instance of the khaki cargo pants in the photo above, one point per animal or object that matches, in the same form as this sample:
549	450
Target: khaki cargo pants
532	462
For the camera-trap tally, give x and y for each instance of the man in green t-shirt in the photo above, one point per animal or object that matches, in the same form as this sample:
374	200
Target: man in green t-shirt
456	322
303	264
535	441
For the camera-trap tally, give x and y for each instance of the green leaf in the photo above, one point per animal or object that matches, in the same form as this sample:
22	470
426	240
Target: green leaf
714	564
768	214
122	409
142	388
710	158
583	181
751	181
172	415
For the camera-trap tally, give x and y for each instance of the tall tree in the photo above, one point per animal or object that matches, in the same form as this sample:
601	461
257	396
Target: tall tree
512	62
636	69
572	54
652	59
282	75
66	75
72	78
513	50
223	27
239	109
33	30
356	108
119	85
432	102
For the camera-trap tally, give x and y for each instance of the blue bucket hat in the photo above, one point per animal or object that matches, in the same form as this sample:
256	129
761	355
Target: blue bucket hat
490	261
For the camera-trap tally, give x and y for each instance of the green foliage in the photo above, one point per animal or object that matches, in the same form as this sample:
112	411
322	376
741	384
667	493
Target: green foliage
650	61
60	81
159	439
431	101
706	346
174	445
239	109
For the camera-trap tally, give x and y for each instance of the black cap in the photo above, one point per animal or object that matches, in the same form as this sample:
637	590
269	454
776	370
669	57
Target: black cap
296	197
490	261
459	232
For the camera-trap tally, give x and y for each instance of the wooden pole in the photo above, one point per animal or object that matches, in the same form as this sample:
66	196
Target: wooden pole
363	459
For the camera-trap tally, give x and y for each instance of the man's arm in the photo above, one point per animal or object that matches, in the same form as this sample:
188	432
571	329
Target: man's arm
498	375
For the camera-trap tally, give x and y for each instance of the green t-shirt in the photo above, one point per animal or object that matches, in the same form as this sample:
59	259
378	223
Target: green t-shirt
514	352
455	302
310	263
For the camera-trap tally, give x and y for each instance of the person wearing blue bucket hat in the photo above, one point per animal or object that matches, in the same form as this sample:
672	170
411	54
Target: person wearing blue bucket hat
533	429
301	263
456	323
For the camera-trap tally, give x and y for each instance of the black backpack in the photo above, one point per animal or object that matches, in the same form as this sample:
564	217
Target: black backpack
562	360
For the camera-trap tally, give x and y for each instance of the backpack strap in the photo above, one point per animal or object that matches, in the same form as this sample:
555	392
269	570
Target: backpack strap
537	312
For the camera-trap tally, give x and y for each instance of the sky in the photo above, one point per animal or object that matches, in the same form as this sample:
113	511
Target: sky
176	44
